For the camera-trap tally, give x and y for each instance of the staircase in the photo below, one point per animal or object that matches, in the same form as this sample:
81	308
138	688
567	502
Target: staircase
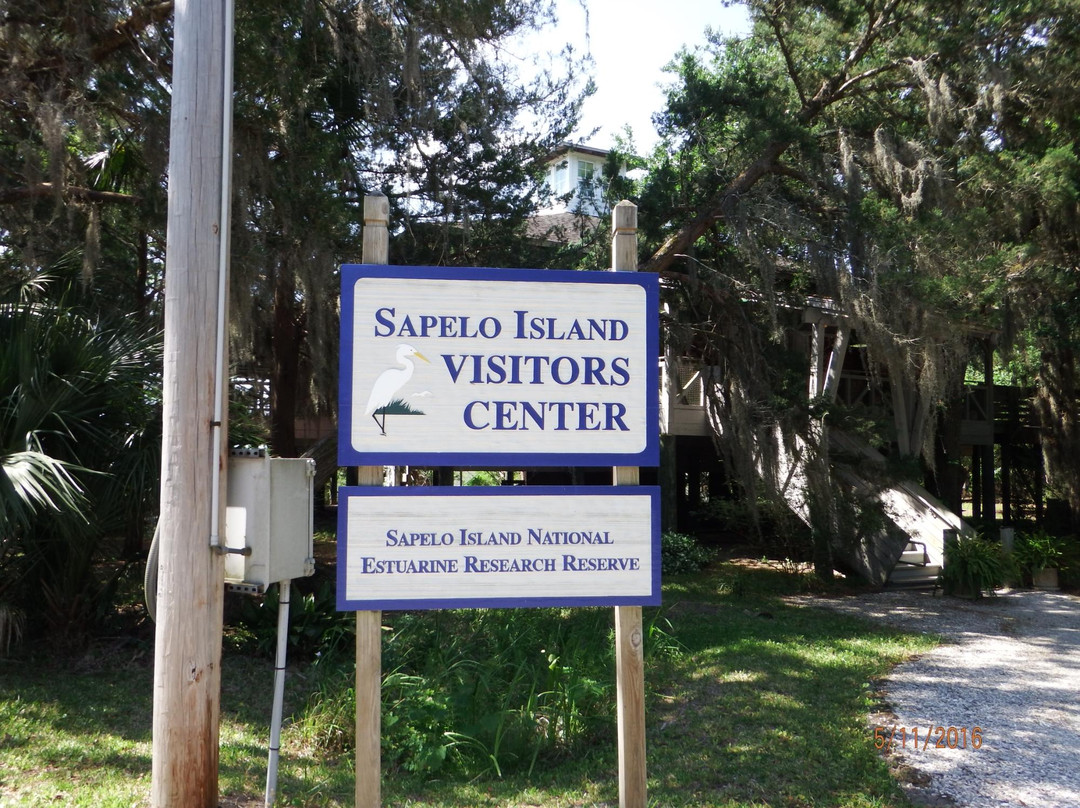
917	519
914	569
908	549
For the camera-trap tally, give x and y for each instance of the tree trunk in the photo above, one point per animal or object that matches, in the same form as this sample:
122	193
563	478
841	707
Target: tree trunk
285	372
1058	410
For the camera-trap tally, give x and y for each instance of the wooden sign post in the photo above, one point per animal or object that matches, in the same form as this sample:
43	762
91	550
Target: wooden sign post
629	642
368	621
499	368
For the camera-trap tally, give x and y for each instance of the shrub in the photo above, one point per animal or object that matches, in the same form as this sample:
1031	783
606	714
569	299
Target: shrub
681	553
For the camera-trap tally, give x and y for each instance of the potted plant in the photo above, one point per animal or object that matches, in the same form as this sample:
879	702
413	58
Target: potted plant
1040	554
973	565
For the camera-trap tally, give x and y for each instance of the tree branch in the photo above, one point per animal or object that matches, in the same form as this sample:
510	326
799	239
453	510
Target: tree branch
683	240
844	89
789	60
14	195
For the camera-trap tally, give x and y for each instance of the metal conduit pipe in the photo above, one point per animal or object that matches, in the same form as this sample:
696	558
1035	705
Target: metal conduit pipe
224	243
284	589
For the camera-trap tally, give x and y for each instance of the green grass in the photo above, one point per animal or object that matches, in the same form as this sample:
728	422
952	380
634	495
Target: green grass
769	706
750	702
74	738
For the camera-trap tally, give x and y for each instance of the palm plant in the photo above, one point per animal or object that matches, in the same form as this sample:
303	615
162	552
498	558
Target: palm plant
76	463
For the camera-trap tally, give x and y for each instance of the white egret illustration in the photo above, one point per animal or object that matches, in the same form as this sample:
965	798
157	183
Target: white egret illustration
383	396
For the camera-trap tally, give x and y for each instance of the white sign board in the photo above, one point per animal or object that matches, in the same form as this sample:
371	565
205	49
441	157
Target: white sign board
432	548
498	367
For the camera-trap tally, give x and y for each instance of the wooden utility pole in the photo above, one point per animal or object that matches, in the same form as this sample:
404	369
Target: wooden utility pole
190	593
629	640
376	250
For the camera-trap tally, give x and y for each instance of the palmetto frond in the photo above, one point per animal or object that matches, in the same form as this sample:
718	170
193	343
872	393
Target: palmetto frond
32	482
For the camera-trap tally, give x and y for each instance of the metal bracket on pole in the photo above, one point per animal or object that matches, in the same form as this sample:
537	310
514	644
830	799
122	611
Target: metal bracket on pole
222	550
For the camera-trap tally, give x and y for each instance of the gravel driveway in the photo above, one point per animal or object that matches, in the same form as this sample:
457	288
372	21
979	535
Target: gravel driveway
1012	668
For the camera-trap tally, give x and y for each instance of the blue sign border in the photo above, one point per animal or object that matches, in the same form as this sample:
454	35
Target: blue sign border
346	493
347	456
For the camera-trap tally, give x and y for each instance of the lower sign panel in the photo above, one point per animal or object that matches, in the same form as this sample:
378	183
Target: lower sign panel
447	548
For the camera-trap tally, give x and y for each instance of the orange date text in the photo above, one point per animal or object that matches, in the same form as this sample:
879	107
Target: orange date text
927	738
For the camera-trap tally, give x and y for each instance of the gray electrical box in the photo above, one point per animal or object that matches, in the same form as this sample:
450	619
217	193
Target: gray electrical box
269	506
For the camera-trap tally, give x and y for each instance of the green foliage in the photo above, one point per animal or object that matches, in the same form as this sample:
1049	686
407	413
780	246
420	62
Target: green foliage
11	628
681	553
483	691
90	115
731	515
79	454
247	424
1069	575
1037	549
317	630
973	566
483	478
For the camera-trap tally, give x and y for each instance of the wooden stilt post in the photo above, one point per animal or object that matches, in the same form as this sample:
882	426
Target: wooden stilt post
989	485
629	641
369	623
191	575
668	472
836	362
817	352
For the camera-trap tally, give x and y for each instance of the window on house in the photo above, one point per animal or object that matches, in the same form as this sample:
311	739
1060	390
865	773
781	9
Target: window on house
585	173
561	178
588	179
